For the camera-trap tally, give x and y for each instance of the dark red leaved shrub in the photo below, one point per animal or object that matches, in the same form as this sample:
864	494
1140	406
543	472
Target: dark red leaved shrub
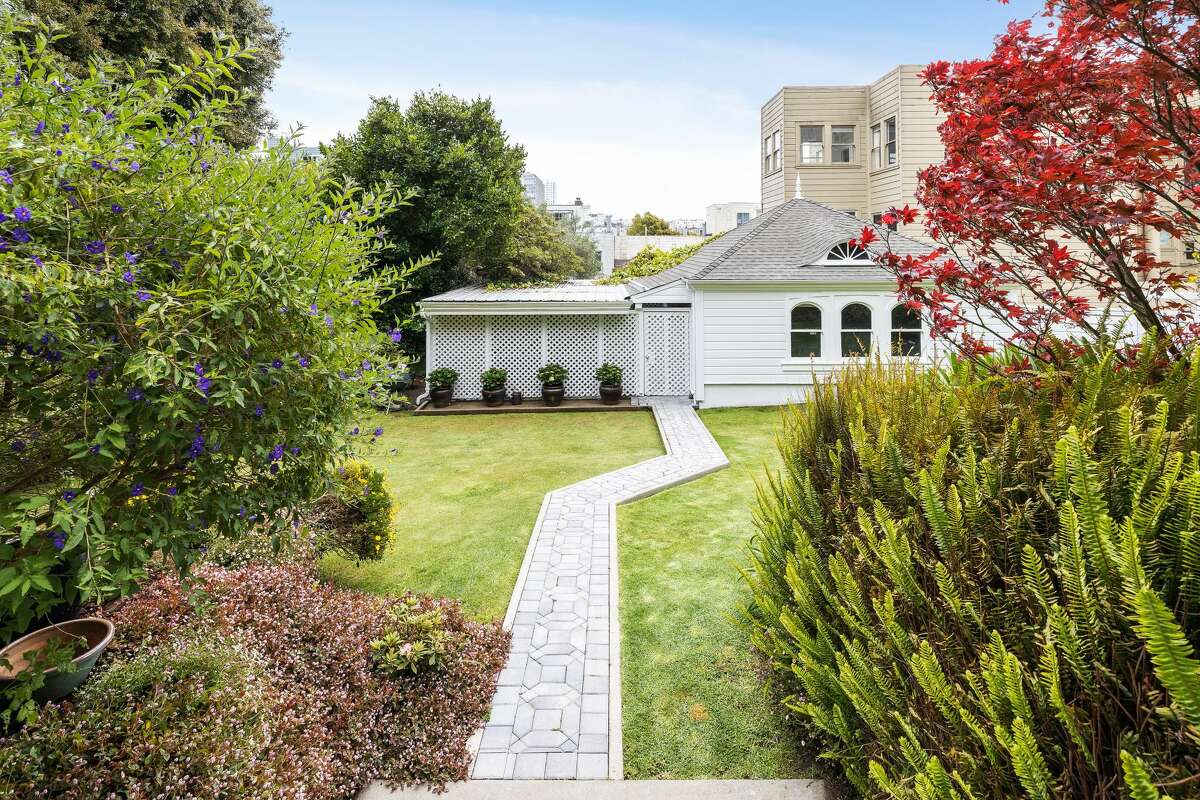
332	723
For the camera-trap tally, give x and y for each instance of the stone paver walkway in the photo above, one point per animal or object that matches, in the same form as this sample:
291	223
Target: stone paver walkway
557	712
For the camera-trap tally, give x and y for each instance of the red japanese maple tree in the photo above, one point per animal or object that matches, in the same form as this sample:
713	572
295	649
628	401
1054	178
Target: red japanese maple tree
1068	152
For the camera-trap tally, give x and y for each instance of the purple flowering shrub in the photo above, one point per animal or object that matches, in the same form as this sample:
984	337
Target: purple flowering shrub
186	331
319	719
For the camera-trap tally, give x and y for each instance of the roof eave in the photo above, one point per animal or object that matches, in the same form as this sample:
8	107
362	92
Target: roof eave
510	308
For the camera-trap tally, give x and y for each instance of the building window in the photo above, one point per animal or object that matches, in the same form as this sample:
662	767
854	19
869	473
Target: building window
844	251
841	144
889	140
772	147
877	219
906	331
812	144
876	147
806	332
743	217
856	330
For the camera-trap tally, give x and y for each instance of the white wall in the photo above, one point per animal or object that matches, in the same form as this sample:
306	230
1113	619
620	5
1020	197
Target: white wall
744	342
721	217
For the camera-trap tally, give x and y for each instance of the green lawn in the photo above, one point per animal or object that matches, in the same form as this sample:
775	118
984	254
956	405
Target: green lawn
469	489
694	705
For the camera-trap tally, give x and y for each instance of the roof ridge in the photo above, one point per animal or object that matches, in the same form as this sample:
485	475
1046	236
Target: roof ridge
771	217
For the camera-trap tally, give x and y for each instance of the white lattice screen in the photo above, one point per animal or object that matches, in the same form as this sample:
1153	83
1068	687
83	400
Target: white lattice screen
667	353
522	344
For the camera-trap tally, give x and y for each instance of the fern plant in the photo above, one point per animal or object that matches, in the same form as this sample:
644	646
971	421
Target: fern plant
984	584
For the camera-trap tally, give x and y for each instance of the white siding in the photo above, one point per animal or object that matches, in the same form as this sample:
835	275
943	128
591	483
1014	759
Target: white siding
744	347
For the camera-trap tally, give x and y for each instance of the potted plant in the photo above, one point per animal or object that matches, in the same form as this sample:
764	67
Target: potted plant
609	376
80	640
494	389
441	386
552	377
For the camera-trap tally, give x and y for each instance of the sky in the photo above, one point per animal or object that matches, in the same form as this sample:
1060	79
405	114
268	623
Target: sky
632	106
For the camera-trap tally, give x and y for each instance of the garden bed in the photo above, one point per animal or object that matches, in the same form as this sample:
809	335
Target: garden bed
262	684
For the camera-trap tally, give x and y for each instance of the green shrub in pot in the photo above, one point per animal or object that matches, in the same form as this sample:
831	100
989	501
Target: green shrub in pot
494	378
442	378
552	374
609	376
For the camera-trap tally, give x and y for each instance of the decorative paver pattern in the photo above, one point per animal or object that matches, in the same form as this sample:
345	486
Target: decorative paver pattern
556	713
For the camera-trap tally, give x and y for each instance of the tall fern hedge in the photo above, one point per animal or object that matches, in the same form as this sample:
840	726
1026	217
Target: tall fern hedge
980	584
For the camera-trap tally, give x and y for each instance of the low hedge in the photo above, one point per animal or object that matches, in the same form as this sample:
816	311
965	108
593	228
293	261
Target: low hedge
259	683
985	583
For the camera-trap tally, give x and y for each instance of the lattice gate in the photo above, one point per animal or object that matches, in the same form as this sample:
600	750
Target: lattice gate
668	356
523	343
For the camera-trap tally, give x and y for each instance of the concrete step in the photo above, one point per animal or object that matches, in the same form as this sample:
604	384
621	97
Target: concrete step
608	790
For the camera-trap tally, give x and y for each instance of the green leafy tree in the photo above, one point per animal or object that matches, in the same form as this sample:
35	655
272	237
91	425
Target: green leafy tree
648	224
186	333
575	235
166	32
650	261
547	248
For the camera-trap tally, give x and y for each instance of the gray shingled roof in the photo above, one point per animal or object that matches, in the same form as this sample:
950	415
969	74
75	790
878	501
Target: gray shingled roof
787	243
569	292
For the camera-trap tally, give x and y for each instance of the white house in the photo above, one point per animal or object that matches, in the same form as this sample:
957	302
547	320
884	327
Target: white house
751	319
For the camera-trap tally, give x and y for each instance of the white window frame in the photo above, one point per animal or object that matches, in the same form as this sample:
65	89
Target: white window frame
852	144
843	330
876	146
818	330
895	334
849	255
820	154
891	140
772	150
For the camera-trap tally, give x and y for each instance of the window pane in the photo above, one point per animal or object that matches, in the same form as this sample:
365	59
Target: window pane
811	133
906	343
906	318
843	134
856	316
806	318
812	148
855	343
806	345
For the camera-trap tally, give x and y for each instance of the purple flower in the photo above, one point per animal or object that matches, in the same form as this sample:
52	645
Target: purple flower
128	276
4	217
92	376
312	310
329	321
304	362
143	295
274	470
58	539
69	495
22	214
356	302
132	258
199	369
295	451
172	490
205	386
197	447
94	449
277	363
396	335
378	432
277	452
354	432
18	446
6	176
66	128
95	248
366	365
116	209
21	235
41	126
38	261
136	394
134	166
97	164
138	489
203	165
258	411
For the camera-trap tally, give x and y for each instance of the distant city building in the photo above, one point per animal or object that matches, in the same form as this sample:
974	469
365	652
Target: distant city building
551	190
688	227
299	153
578	209
721	217
534	188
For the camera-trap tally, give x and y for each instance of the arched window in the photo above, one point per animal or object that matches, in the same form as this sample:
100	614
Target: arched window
844	251
806	332
856	330
906	331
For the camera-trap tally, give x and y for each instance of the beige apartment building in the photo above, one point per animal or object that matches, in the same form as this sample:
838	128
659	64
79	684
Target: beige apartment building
853	148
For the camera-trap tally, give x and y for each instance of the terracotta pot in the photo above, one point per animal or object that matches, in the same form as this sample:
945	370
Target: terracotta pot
610	393
441	397
91	636
552	393
494	397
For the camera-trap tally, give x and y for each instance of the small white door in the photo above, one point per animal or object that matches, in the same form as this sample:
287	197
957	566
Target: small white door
668	354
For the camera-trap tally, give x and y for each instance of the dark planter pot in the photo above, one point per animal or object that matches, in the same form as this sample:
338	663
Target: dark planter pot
441	397
494	397
552	393
610	393
91	636
516	398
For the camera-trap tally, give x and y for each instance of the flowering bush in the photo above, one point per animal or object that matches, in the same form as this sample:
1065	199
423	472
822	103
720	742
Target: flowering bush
185	332
552	374
442	378
416	643
355	519
317	719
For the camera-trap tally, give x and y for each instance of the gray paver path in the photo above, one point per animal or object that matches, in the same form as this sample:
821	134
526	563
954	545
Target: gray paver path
613	790
557	712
